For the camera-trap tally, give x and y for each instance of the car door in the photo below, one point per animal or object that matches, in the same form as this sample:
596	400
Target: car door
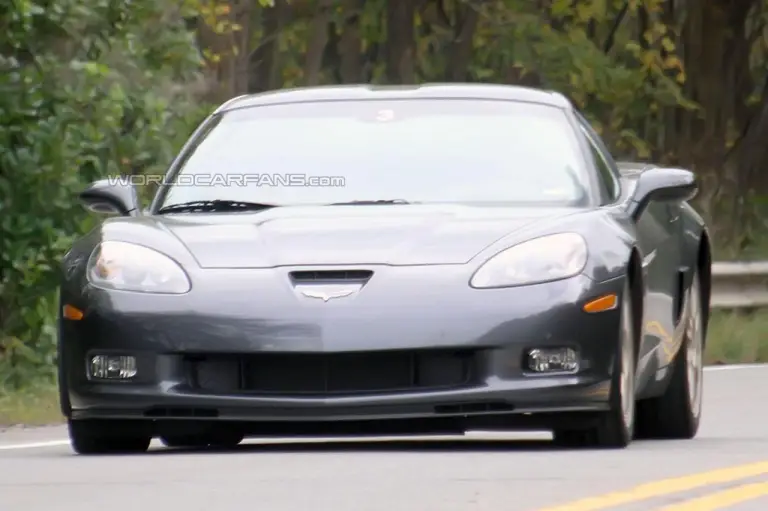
661	261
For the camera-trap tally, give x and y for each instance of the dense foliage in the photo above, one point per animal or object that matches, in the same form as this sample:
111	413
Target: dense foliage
112	86
85	91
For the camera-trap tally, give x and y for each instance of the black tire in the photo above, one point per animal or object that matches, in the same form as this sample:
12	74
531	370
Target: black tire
676	414
64	405
219	440
106	437
614	428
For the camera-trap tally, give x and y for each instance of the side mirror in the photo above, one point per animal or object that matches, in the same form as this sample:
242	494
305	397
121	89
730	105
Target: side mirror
661	184
114	195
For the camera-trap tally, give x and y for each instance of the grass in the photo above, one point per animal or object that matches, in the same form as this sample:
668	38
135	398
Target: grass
737	337
34	406
734	338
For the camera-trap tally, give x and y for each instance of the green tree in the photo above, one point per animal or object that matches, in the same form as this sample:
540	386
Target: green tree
85	91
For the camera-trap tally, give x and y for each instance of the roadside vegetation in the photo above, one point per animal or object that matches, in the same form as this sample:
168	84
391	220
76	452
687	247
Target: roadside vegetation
107	87
737	337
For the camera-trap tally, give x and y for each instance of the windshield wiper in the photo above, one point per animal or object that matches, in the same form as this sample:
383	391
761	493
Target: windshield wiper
218	205
371	202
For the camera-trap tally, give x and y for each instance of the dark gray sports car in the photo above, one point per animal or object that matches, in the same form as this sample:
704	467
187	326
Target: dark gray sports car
373	260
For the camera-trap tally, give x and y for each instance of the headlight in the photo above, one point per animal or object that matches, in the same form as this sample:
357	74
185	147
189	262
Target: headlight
129	267
553	257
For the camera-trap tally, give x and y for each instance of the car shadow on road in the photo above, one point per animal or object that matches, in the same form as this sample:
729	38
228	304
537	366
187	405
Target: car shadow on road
368	446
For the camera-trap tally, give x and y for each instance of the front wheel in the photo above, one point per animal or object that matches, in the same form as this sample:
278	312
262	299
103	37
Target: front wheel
676	414
614	428
106	437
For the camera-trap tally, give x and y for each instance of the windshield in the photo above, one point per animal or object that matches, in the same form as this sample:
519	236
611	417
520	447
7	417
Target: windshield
416	151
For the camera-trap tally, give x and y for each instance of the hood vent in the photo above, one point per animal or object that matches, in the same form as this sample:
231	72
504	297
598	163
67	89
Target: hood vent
330	276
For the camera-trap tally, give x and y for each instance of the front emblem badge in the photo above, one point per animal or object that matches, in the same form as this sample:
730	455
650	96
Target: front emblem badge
328	294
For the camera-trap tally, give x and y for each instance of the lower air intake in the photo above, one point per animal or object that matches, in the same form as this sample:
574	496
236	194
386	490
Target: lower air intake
337	373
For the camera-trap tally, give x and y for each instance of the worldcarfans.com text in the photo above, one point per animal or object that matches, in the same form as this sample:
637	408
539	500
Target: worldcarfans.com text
226	180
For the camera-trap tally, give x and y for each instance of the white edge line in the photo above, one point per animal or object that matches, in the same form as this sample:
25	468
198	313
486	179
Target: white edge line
734	367
34	445
59	443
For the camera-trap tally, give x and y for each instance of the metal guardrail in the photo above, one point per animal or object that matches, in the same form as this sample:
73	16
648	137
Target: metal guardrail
740	285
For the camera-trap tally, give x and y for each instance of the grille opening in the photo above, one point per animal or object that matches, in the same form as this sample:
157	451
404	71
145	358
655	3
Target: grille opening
462	408
331	276
300	374
176	412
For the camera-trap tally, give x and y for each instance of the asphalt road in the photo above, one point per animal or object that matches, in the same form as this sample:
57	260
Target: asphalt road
726	466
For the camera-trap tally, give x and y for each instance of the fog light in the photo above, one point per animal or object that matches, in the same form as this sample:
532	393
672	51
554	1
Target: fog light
553	360
113	367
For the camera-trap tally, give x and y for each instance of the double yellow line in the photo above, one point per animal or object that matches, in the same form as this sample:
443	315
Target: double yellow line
666	487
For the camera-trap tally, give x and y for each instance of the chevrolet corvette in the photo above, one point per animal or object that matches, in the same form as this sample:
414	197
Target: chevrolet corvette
360	260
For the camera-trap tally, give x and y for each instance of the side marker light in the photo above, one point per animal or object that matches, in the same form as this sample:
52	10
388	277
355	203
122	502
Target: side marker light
73	313
604	303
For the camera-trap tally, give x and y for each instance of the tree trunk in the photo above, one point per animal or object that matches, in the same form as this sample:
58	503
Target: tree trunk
461	47
318	38
263	63
401	42
350	44
712	35
241	41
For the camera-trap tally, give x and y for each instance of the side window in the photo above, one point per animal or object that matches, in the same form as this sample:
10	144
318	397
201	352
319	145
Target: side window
603	160
606	173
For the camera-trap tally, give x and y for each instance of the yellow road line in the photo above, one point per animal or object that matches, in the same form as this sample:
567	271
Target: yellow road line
665	487
722	499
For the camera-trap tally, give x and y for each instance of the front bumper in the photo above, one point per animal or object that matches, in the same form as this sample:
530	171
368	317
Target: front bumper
229	315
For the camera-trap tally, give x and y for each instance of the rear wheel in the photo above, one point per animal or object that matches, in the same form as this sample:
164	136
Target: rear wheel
106	437
614	428
676	413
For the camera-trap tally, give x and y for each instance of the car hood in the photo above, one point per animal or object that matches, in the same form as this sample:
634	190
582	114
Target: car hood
347	235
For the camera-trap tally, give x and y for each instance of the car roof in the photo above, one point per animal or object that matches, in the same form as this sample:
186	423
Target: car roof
359	92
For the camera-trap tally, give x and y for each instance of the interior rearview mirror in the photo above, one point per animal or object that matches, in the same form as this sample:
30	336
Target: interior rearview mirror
117	196
661	184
